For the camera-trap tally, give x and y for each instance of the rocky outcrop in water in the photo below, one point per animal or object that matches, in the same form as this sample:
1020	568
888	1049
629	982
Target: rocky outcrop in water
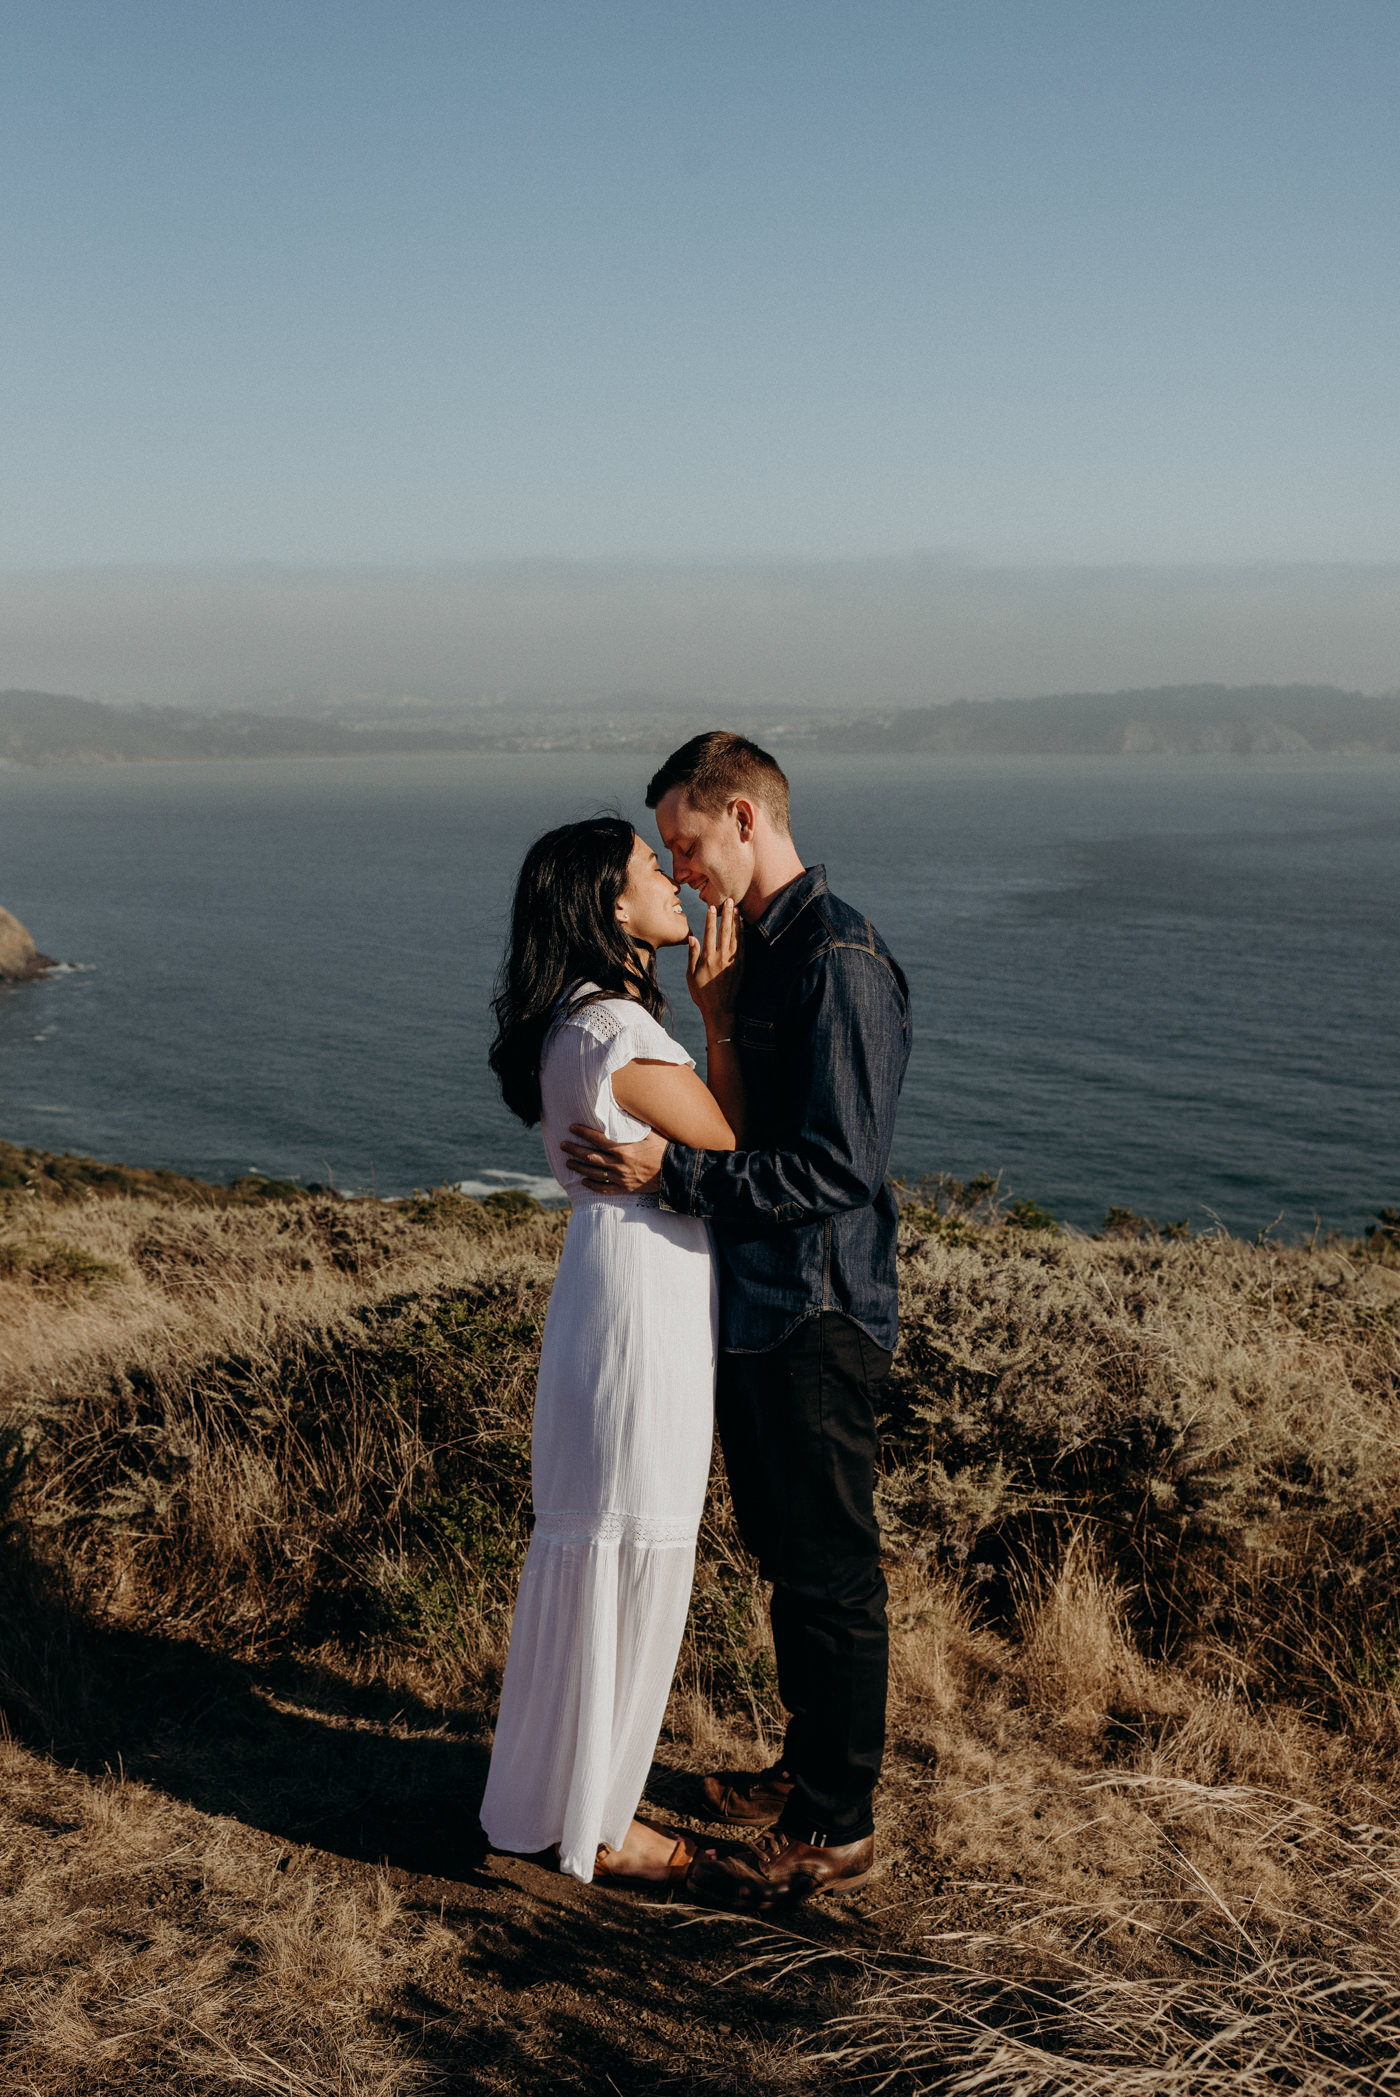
19	957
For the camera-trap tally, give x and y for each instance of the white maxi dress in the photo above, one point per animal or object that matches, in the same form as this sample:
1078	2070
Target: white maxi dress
623	1427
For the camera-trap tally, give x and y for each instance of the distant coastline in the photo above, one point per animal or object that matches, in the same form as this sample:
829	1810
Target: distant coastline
941	1207
49	728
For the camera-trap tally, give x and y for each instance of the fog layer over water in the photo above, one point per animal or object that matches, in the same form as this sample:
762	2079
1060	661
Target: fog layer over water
1164	984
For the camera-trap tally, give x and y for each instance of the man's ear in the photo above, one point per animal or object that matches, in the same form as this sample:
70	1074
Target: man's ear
743	814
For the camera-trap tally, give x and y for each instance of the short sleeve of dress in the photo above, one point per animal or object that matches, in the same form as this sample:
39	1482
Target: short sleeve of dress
615	1032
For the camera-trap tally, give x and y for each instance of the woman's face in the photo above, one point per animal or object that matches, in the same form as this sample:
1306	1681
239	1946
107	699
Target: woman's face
649	909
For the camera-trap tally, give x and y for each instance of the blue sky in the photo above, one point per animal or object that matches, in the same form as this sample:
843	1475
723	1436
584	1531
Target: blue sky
442	280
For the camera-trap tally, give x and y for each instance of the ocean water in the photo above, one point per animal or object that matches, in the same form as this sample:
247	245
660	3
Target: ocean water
1167	984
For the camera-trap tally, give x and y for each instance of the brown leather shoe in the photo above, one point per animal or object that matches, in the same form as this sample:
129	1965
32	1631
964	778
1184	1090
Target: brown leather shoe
773	1871
747	1798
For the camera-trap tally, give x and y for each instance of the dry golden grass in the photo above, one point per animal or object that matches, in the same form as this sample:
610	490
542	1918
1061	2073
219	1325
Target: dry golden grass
170	1286
167	1397
267	1468
1105	1875
1224	1417
145	1945
1219	1940
1071	1623
1149	1923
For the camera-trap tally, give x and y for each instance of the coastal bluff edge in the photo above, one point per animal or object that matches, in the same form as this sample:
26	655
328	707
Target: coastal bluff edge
265	1459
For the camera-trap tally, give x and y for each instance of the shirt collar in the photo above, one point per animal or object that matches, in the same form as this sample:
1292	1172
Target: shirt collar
789	903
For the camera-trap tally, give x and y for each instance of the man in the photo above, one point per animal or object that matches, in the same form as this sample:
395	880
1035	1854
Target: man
805	1226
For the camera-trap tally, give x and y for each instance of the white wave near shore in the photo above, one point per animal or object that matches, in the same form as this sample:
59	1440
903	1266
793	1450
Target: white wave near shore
542	1186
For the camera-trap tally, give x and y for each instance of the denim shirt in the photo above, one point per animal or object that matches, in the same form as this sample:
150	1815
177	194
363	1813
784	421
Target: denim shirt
804	1221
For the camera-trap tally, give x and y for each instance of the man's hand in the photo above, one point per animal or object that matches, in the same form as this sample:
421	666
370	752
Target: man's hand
616	1168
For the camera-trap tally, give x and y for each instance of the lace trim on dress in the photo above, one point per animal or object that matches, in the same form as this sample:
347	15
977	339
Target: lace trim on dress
587	1525
603	1023
584	1198
598	1021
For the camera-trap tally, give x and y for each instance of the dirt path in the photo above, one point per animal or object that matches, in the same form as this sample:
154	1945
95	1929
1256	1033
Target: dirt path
239	1889
556	1986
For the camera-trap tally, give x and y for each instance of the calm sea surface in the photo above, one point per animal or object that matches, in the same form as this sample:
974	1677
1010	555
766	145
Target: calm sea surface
1166	984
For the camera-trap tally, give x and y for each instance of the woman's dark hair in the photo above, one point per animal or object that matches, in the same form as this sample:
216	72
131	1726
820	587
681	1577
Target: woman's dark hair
564	932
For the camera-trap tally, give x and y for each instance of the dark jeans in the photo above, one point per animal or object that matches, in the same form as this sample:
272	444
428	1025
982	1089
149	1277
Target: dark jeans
797	1426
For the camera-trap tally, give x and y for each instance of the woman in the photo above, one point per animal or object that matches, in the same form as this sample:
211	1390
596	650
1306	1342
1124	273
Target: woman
624	1404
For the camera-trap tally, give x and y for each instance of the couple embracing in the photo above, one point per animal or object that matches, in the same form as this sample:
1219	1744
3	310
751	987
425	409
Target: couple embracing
730	1255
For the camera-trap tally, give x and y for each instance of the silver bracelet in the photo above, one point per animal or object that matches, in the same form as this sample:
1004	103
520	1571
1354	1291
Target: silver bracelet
718	1040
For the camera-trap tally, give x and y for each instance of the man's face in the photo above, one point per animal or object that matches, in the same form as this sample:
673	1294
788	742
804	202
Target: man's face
713	854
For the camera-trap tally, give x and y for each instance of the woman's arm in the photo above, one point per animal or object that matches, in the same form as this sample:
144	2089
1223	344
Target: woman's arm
726	1082
675	1103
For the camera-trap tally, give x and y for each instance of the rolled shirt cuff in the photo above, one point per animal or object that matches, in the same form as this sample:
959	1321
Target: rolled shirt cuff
680	1181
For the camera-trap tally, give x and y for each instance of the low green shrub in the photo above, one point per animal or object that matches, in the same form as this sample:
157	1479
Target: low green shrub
67	1177
54	1267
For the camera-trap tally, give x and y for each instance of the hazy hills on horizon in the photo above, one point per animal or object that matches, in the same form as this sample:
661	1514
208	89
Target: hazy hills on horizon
48	728
1170	720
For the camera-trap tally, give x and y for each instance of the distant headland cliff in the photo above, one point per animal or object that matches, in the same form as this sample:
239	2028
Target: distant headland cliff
1207	720
19	957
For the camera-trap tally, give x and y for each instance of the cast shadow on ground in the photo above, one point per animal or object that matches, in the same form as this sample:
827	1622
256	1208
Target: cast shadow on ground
549	1984
210	1730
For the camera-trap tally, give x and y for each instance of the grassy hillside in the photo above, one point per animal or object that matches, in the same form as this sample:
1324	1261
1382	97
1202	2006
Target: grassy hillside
264	1467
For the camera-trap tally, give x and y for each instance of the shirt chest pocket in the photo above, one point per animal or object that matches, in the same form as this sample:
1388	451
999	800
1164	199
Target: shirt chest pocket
755	1037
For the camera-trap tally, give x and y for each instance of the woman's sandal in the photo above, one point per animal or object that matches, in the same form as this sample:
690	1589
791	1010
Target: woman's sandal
677	1869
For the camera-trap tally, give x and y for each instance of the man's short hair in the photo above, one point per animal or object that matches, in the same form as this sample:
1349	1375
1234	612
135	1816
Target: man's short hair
719	766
